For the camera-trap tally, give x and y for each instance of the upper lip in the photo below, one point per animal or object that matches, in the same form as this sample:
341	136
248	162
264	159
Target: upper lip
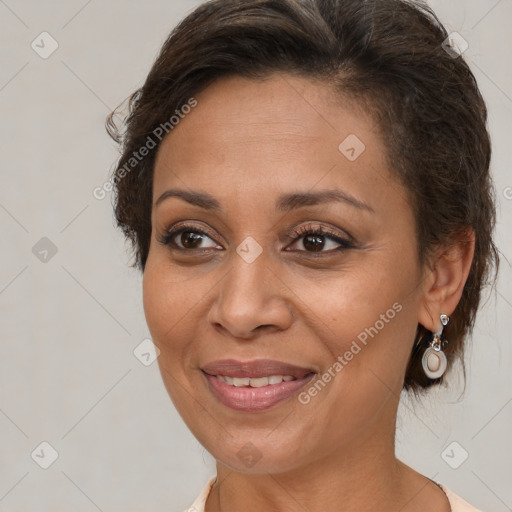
255	368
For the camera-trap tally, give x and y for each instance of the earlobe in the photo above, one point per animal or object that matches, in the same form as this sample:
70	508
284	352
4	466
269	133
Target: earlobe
446	280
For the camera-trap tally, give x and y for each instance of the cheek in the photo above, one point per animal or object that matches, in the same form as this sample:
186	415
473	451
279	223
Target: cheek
369	317
165	303
167	297
174	303
156	302
354	301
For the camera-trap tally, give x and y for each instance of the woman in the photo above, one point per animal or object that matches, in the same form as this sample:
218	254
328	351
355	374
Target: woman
306	187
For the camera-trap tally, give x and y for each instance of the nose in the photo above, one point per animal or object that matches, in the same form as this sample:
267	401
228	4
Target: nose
251	298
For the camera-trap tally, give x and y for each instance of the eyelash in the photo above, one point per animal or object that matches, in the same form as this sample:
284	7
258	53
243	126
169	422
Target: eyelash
301	232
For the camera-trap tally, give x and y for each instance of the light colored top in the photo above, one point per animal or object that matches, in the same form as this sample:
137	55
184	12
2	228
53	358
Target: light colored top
457	504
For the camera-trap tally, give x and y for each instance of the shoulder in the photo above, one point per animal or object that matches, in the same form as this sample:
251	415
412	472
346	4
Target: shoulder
457	503
198	505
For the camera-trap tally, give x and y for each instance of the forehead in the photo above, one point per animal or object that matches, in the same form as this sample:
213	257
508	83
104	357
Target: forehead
264	135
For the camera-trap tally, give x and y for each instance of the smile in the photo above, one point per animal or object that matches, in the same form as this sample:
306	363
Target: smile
256	382
250	398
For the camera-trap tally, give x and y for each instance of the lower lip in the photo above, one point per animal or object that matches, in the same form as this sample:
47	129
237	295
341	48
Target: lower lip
246	398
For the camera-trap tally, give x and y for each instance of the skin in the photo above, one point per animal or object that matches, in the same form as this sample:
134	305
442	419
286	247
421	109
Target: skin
246	143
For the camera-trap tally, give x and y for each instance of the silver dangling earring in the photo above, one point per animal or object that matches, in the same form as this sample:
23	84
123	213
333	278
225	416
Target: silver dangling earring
434	360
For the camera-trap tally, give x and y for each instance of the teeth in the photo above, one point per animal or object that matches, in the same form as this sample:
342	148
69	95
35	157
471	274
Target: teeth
259	382
256	382
244	381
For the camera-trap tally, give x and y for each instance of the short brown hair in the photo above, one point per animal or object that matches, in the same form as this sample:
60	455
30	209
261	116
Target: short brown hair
387	54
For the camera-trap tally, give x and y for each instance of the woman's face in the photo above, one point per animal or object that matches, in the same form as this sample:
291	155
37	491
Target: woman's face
247	281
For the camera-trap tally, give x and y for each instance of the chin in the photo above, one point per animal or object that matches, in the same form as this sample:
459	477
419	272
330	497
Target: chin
253	452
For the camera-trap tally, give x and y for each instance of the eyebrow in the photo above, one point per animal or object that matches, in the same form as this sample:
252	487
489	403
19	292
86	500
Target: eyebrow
285	203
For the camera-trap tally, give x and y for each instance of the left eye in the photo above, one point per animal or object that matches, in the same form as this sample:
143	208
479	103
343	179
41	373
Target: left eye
314	240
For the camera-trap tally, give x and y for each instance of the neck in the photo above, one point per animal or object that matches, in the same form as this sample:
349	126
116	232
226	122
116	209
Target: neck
360	473
363	477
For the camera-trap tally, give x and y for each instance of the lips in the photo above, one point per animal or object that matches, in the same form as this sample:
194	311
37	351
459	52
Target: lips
254	369
253	386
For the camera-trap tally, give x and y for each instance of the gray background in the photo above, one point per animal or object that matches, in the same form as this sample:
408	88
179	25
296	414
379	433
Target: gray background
69	325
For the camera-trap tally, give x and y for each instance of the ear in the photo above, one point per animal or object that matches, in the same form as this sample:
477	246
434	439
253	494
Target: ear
445	280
